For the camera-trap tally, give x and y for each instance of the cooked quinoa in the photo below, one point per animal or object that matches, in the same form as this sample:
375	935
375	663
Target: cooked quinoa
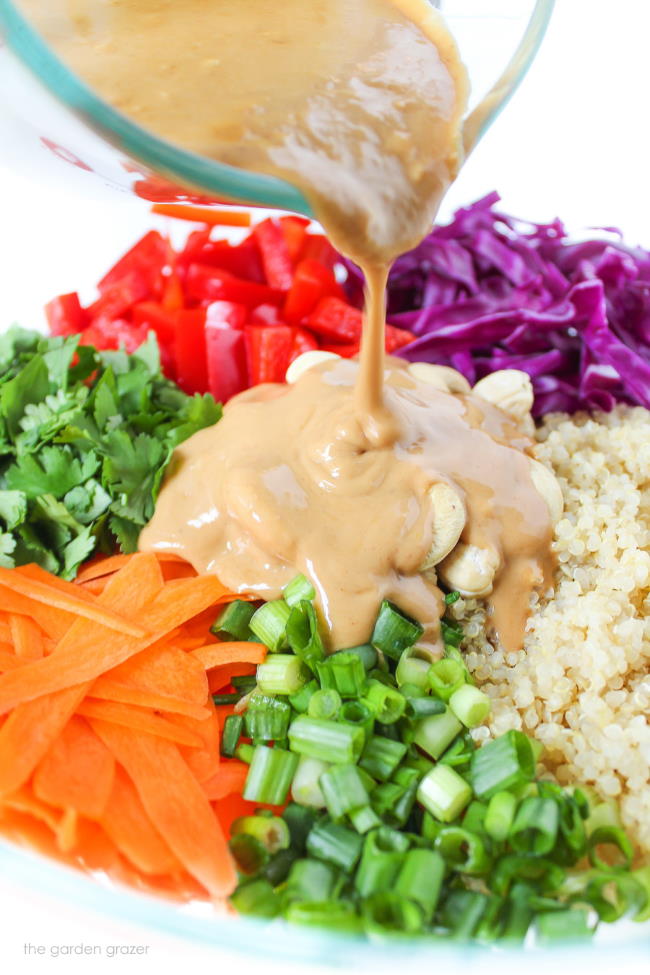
582	682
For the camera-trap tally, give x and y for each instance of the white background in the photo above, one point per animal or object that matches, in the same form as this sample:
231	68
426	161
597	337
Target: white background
573	142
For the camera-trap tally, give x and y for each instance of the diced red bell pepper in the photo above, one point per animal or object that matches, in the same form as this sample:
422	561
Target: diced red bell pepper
319	249
65	316
191	364
226	314
311	282
225	350
276	261
154	316
268	349
206	284
173	298
335	320
146	259
118	299
303	341
115	335
397	338
242	259
266	315
294	229
346	350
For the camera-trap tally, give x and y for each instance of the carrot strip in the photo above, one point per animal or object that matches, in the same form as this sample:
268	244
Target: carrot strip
102	566
33	727
203	762
197	214
176	804
9	661
168	671
5	632
138	720
77	772
221	677
230	779
54	596
89	652
54	622
217	654
67	835
128	825
95	587
25	802
26	636
110	690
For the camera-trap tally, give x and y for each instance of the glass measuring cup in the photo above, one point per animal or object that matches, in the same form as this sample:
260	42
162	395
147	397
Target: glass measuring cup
49	117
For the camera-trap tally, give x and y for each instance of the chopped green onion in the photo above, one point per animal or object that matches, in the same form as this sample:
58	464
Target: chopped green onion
570	924
420	879
305	787
394	631
572	826
444	793
281	673
335	844
452	597
378	867
333	915
324	704
413	667
271	831
343	789
366	654
431	828
613	838
343	672
409	780
310	880
244	752
364	819
518	915
445	677
298	589
391	840
503	763
535	826
249	853
547	875
256	898
381	756
462	850
232	731
603	813
459	754
246	683
269	776
474	818
462	912
269	624
303	634
614	895
219	699
387	912
386	702
278	867
642	877
300	700
422	707
435	733
470	705
452	633
328	740
357	713
300	820
234	621
267	718
500	815
385	797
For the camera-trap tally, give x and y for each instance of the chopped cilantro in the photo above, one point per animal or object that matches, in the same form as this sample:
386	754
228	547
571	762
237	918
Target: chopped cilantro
85	438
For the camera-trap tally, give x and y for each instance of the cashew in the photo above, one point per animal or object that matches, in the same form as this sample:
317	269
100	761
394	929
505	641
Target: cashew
449	518
509	389
470	570
307	361
547	485
442	377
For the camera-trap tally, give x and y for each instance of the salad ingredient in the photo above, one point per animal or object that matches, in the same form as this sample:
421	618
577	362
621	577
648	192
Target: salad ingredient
142	771
458	464
86	437
490	292
580	682
381	838
212	216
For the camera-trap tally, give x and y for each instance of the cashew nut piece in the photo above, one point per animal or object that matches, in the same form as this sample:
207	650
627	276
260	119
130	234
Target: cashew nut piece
449	517
470	570
547	485
509	389
444	378
307	361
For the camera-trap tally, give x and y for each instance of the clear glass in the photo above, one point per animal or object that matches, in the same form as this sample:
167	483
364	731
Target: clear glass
46	110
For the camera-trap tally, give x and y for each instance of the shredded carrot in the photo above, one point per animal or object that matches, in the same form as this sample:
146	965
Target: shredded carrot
175	803
230	779
26	636
111	690
128	716
128	825
204	761
165	671
197	214
9	661
220	677
77	772
217	654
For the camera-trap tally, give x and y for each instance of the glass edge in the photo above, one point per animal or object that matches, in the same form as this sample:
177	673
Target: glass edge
225	181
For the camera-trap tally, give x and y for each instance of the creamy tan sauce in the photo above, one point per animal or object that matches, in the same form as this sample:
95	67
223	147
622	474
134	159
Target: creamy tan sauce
360	104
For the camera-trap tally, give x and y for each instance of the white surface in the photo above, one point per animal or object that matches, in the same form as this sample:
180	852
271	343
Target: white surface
574	143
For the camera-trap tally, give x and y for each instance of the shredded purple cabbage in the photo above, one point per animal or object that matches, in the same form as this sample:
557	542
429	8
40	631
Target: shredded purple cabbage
489	291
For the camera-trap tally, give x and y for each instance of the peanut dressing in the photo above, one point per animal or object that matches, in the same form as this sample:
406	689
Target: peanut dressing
359	103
